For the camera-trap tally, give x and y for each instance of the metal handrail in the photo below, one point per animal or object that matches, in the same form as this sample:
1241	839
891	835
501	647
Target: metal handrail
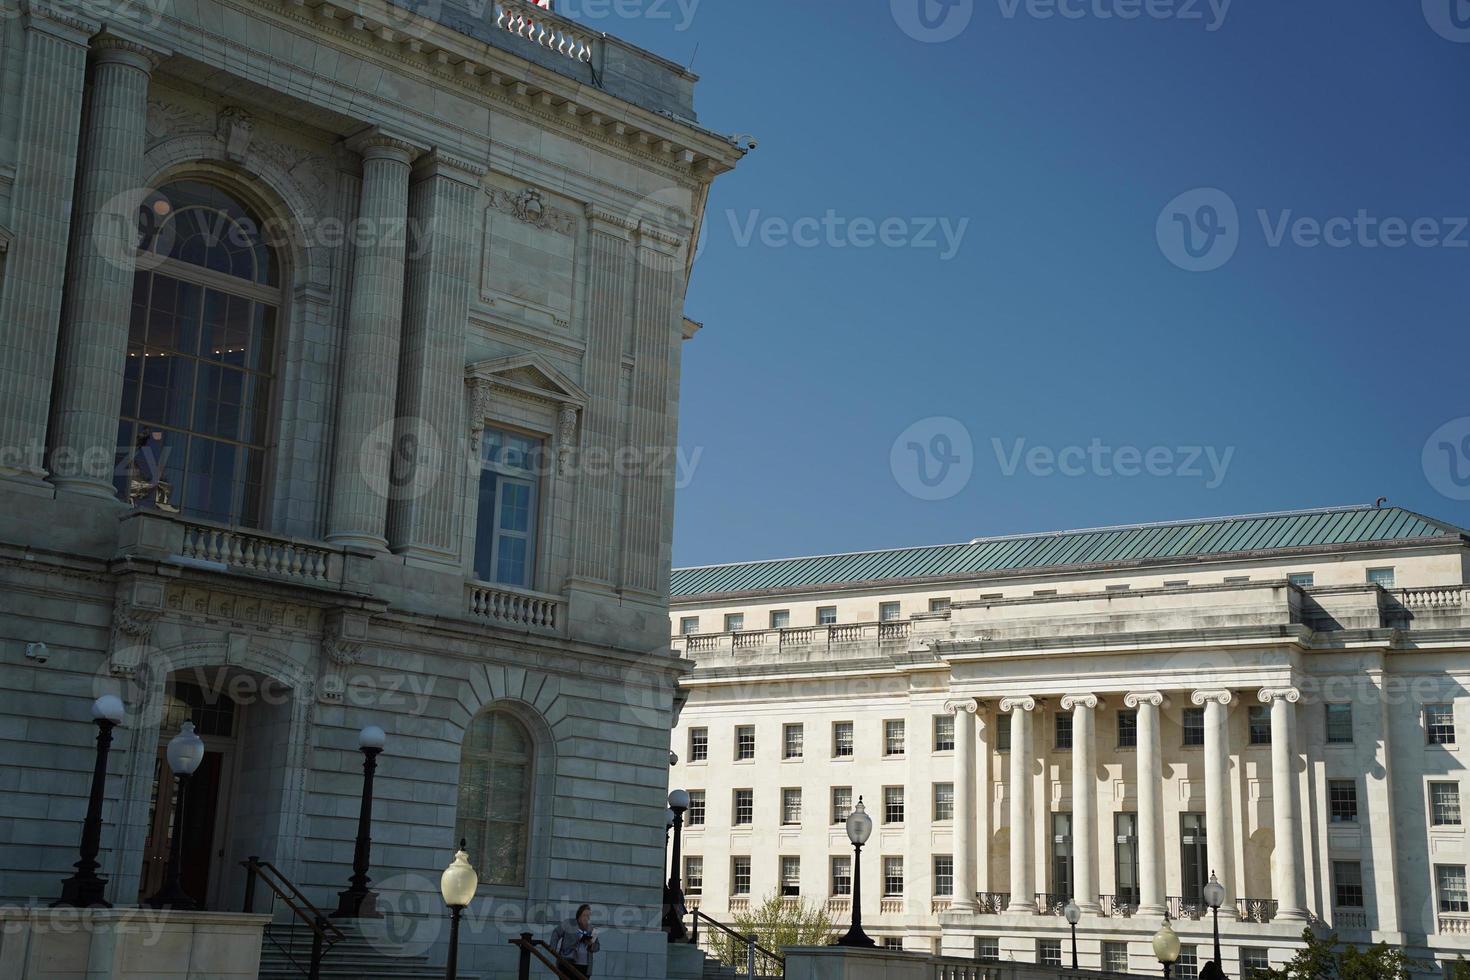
324	935
754	952
697	915
558	964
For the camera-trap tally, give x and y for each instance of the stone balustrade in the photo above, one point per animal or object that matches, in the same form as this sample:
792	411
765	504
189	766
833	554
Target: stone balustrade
505	606
791	637
262	554
541	26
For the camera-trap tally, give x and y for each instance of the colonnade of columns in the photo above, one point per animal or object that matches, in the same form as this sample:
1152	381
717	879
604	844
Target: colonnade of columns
1289	881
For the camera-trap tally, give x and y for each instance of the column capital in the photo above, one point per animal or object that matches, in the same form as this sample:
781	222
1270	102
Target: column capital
1071	701
610	222
110	48
1024	702
1135	698
1222	697
437	163
965	705
375	144
1289	694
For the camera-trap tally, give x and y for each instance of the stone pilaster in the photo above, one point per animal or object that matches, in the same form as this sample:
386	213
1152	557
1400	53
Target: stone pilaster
50	109
1023	869
1219	830
424	511
94	321
1084	800
1150	802
1290	883
964	710
362	471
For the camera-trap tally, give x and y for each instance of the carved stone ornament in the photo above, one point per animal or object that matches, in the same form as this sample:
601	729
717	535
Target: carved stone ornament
132	627
343	634
530	207
1025	702
235	129
566	435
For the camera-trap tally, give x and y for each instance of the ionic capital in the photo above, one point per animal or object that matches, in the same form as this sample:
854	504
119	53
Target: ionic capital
111	49
957	705
1024	702
1135	698
1289	694
1073	701
1222	697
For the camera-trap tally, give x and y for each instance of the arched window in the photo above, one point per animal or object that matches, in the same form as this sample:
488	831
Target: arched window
496	769
194	425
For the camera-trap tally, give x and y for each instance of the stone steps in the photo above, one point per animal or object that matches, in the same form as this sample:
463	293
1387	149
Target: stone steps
354	958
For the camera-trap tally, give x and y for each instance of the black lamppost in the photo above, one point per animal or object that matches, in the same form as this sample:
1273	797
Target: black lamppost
1074	916
84	889
859	829
674	917
1166	946
1214	895
185	753
359	901
458	885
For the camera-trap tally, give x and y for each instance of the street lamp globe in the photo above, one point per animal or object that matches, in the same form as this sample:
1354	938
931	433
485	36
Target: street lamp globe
109	708
372	737
185	751
1214	892
859	824
459	882
1166	945
1073	913
668	818
679	799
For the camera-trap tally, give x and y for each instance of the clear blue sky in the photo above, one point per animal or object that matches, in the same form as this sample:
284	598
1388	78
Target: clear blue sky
1062	319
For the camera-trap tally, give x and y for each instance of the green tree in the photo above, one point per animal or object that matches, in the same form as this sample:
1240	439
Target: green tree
776	923
1325	959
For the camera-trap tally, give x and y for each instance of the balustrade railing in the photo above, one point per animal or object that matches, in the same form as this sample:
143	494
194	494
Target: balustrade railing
1349	919
1261	910
992	903
541	26
890	906
1454	925
1048	904
791	636
938	905
512	607
1114	907
1181	908
262	554
947	968
1439	597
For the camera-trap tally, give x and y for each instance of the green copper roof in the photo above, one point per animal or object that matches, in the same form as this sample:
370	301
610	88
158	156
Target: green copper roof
1140	543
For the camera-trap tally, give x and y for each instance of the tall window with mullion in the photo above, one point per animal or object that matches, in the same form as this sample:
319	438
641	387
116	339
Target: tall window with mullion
494	813
511	465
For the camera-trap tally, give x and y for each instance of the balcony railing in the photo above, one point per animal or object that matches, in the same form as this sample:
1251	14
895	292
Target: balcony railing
1440	597
946	968
747	641
1454	925
1180	908
1114	908
261	554
1350	919
1260	910
839	906
514	607
938	905
1048	904
541	26
890	906
992	903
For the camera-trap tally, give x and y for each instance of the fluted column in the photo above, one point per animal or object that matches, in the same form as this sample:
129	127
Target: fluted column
964	710
1290	883
95	314
432	434
1084	800
46	118
1023	870
1218	826
361	462
1150	802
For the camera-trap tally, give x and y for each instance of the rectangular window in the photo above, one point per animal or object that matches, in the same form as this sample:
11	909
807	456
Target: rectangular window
1063	731
1003	733
842	739
1237	579
888	612
1128	729
939	605
1187	966
893	804
734	622
892	942
1178	583
1061	854
698	744
826	615
744	809
943	875
1347	885
1342	800
987	949
1044	593
1049	952
695	816
688	624
693	875
780	619
1302	580
510	487
740	876
1194	726
1119	588
893	877
1381	577
841	804
944	732
1444	804
1253	959
791	806
790	875
793	741
1125	858
745	741
893	737
1115	957
1449	881
841	875
943	802
1339	724
1258	721
1439	724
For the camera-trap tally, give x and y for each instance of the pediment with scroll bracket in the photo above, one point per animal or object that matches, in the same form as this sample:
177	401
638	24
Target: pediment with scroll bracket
528	377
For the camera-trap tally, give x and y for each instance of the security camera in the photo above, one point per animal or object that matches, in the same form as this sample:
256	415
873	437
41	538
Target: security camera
37	652
744	141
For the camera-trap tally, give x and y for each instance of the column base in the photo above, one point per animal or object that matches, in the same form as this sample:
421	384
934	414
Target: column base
1150	910
1090	908
366	542
968	907
86	488
1292	915
1023	908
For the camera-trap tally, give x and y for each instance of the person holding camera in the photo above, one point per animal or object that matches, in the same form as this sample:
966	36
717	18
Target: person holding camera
576	941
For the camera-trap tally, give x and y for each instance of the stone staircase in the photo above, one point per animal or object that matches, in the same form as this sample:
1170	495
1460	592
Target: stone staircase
354	958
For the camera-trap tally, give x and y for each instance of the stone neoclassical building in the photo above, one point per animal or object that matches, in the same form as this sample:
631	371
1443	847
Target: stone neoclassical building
1108	715
339	362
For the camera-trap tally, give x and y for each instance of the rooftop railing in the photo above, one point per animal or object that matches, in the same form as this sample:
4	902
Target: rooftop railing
788	637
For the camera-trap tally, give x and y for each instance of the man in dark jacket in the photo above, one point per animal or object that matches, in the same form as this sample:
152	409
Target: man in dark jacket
576	941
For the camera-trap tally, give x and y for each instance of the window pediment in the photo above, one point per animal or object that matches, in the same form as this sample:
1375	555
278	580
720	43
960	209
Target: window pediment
527	377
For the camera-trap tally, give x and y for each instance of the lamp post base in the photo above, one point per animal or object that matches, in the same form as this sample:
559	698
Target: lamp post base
857	939
353	904
173	896
83	891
